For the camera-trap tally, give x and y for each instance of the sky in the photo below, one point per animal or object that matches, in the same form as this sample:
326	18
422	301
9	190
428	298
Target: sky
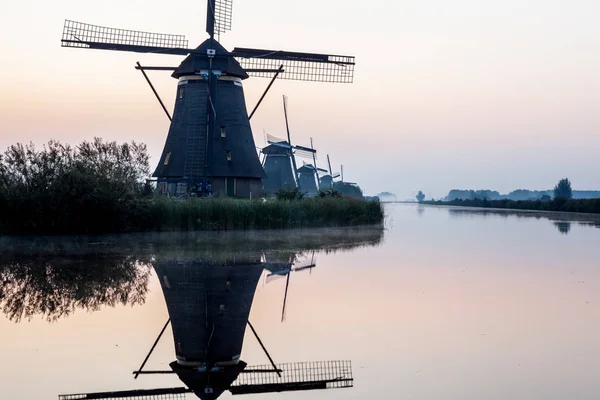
466	94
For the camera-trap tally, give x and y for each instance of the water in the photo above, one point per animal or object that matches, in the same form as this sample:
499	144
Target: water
445	304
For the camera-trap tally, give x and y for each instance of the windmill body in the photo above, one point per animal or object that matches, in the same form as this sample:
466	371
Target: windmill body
308	179
194	154
278	167
326	181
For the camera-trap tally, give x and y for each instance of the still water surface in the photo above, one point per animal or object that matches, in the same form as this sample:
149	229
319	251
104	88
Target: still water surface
446	303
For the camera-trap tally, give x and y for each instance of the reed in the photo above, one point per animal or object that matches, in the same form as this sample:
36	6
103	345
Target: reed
163	214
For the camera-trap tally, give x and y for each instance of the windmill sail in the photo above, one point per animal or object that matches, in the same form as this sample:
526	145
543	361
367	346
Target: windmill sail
295	376
148	394
297	66
304	152
274	139
255	379
87	36
218	16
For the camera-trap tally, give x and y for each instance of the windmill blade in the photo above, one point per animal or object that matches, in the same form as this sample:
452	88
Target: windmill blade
304	152
149	394
274	139
273	277
309	265
287	285
298	66
86	36
307	149
295	376
218	16
336	175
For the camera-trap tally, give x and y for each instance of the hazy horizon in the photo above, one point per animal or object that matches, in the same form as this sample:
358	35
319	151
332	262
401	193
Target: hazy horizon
447	95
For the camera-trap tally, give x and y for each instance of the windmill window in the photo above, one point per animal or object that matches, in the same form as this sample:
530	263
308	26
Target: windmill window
228	155
167	158
223	132
181	93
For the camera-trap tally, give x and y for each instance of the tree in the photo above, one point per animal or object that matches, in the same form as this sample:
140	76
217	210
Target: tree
348	189
93	187
420	196
563	190
387	196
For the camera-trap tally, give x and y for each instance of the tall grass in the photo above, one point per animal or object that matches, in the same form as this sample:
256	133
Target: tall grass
163	214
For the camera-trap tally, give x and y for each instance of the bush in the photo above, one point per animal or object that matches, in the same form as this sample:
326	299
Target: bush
60	189
348	189
289	194
329	193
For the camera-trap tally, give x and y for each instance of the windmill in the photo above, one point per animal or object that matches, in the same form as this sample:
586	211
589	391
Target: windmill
279	161
209	146
308	175
280	270
209	303
326	181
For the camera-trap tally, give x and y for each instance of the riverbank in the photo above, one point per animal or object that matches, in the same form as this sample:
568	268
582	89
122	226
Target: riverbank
588	206
165	214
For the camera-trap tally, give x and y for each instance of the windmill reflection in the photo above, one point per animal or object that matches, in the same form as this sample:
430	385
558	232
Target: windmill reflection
209	307
280	269
209	304
209	290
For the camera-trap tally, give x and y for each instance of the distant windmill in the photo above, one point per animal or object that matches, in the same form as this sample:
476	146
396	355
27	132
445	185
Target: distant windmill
279	161
326	181
342	177
308	175
210	147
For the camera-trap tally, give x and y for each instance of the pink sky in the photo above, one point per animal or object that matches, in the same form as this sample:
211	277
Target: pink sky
461	94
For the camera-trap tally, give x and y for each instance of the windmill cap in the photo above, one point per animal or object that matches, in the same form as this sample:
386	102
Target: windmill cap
199	60
307	168
277	148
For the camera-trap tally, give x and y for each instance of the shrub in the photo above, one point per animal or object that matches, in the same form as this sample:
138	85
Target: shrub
289	194
329	193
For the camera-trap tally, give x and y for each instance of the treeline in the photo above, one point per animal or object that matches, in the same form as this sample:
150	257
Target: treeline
99	187
516	195
557	204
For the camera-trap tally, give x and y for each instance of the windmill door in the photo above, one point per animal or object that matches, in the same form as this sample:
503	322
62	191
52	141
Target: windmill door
230	187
